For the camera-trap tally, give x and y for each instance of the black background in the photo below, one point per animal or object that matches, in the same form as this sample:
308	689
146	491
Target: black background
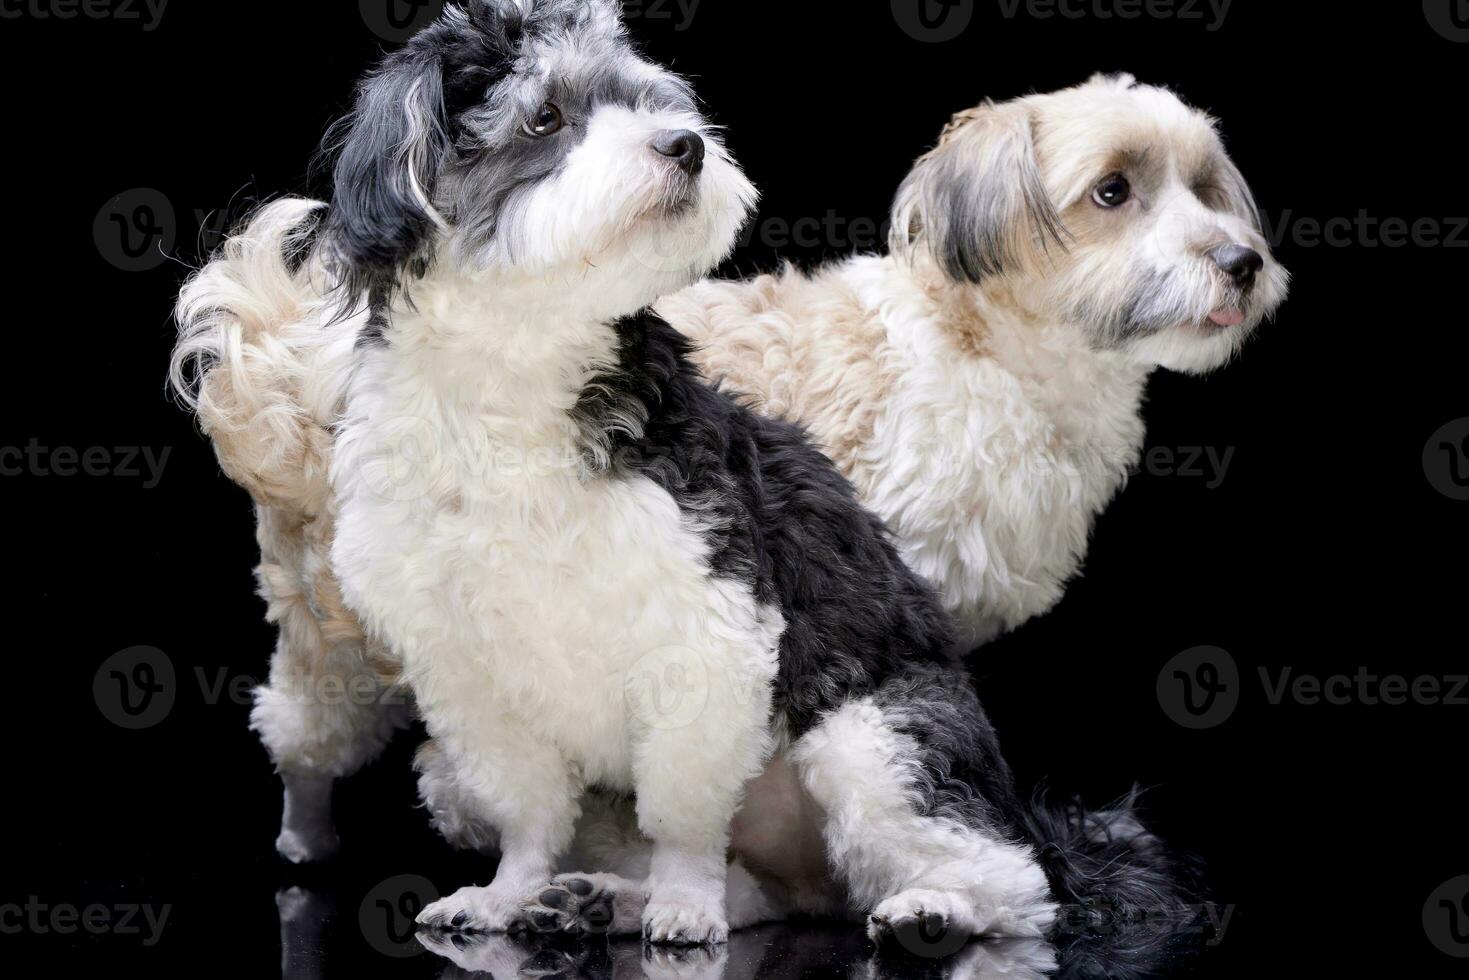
1326	548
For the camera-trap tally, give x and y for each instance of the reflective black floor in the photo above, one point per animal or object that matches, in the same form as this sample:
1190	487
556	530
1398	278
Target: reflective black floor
315	931
178	894
209	912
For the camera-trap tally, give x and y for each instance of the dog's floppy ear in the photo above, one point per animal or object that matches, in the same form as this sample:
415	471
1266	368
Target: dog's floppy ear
1239	200
390	152
977	201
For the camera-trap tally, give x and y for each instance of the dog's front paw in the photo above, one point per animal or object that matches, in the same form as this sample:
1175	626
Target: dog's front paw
685	917
473	910
925	923
582	904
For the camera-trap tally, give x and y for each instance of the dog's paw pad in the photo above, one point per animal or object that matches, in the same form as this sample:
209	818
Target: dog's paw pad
555	898
574	904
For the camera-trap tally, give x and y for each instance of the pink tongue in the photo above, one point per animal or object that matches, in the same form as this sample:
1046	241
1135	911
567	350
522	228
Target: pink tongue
1228	318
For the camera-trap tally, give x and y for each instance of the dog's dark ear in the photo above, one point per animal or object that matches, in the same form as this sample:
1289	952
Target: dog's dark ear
390	152
977	202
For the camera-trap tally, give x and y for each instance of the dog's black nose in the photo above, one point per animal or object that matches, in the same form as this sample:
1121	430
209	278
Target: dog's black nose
1238	262
683	147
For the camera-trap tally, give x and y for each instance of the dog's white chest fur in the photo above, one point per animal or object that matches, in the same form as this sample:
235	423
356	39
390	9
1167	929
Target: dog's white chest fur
481	549
990	466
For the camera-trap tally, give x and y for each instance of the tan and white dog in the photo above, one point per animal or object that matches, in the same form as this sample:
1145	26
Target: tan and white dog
981	386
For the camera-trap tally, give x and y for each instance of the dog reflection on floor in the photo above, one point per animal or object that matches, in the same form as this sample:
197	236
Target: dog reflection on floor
777	952
788	951
303	917
773	953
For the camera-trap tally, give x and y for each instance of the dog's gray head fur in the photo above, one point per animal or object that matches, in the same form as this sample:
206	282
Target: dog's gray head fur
448	140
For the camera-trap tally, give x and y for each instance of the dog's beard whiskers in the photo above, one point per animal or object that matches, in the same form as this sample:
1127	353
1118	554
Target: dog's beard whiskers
678	195
1150	307
1162	300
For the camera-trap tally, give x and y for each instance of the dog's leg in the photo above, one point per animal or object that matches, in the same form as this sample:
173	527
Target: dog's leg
451	806
326	710
308	832
581	903
908	827
323	715
690	770
519	784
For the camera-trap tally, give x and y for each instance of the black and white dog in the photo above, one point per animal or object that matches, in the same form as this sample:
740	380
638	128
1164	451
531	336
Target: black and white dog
547	521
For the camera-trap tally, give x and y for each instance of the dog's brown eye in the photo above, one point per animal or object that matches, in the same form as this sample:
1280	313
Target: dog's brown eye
547	121
1113	192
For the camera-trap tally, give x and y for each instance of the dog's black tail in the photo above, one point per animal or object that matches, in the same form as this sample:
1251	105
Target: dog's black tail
1107	870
